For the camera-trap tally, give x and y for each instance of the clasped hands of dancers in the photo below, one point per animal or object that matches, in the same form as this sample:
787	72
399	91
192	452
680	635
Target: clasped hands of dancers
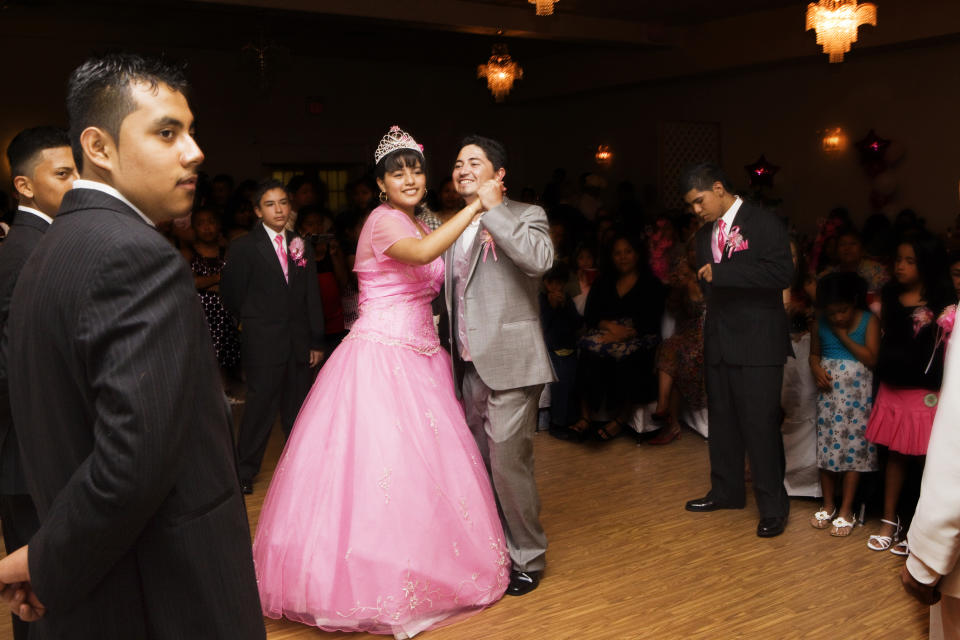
405	496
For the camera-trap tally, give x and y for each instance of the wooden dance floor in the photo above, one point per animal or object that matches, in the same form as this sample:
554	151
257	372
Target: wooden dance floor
626	561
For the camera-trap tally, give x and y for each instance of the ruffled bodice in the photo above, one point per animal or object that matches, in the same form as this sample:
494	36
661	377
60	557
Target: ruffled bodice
395	297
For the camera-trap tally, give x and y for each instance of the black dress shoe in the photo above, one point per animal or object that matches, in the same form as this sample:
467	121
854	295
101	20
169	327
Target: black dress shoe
246	487
709	504
770	527
522	582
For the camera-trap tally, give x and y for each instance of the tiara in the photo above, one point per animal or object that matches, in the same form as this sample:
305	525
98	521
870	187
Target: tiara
396	139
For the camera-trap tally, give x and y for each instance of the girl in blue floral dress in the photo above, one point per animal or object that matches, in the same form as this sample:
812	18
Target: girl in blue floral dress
843	350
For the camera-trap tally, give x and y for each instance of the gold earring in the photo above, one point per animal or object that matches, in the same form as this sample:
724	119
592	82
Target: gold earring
383	197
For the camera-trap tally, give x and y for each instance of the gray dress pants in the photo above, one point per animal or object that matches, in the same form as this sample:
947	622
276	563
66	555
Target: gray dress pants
503	424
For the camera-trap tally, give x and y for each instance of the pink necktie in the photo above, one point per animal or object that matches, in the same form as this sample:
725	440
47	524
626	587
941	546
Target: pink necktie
282	256
721	241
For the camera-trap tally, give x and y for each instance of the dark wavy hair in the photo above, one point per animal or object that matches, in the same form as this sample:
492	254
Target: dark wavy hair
842	287
933	270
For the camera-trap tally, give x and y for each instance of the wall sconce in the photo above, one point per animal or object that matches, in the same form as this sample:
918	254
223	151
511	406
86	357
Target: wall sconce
604	156
834	140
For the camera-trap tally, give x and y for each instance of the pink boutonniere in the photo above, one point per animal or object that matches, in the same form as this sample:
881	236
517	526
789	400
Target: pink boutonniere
736	242
296	252
488	245
922	316
945	328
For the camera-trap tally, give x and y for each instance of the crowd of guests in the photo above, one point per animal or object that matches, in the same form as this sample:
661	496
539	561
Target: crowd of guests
622	313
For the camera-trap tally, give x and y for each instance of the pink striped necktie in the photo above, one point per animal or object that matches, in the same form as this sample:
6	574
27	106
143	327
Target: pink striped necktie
282	256
721	241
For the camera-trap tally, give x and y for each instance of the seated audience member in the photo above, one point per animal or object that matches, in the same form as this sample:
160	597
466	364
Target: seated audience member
528	195
623	314
449	201
239	217
332	274
362	194
850	259
302	192
659	244
680	359
221	190
561	323
206	260
844	347
583	274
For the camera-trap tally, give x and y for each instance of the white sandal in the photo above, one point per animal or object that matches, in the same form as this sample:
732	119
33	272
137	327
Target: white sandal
821	519
882	543
844	525
900	549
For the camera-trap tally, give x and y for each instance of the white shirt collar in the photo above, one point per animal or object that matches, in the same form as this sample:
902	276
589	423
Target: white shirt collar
728	218
110	191
36	212
273	234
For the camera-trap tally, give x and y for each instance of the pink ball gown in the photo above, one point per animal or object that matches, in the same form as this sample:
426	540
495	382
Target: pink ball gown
380	516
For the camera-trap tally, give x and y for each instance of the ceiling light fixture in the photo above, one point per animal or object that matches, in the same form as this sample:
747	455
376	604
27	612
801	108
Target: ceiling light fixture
544	7
836	23
500	71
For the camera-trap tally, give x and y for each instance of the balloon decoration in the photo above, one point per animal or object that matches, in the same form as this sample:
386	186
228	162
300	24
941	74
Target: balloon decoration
761	172
878	156
872	150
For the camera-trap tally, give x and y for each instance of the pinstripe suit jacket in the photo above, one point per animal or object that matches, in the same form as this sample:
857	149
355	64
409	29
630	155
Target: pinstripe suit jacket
24	236
501	308
126	438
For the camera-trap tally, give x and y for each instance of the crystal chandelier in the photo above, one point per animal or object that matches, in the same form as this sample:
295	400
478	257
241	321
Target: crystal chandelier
500	72
544	7
836	23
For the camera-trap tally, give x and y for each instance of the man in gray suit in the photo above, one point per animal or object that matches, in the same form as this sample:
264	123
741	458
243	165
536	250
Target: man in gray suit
500	360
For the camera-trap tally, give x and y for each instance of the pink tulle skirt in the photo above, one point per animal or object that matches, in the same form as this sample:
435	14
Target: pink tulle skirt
380	516
902	419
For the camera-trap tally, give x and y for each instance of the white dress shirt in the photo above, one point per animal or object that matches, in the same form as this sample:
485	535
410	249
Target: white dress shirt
727	218
273	239
36	212
461	270
107	189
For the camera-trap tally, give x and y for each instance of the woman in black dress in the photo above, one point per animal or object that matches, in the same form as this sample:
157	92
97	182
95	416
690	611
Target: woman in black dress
623	315
206	261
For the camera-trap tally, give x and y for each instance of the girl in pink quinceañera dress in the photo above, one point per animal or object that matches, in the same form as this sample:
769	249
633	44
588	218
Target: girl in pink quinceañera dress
380	516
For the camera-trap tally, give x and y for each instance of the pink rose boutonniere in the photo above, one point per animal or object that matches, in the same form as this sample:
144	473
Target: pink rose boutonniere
736	242
947	318
944	329
922	316
296	252
488	245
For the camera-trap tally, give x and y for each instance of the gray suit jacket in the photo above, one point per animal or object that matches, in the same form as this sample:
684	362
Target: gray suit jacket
501	311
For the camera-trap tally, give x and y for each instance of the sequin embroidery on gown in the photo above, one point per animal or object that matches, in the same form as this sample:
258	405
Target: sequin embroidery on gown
380	516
